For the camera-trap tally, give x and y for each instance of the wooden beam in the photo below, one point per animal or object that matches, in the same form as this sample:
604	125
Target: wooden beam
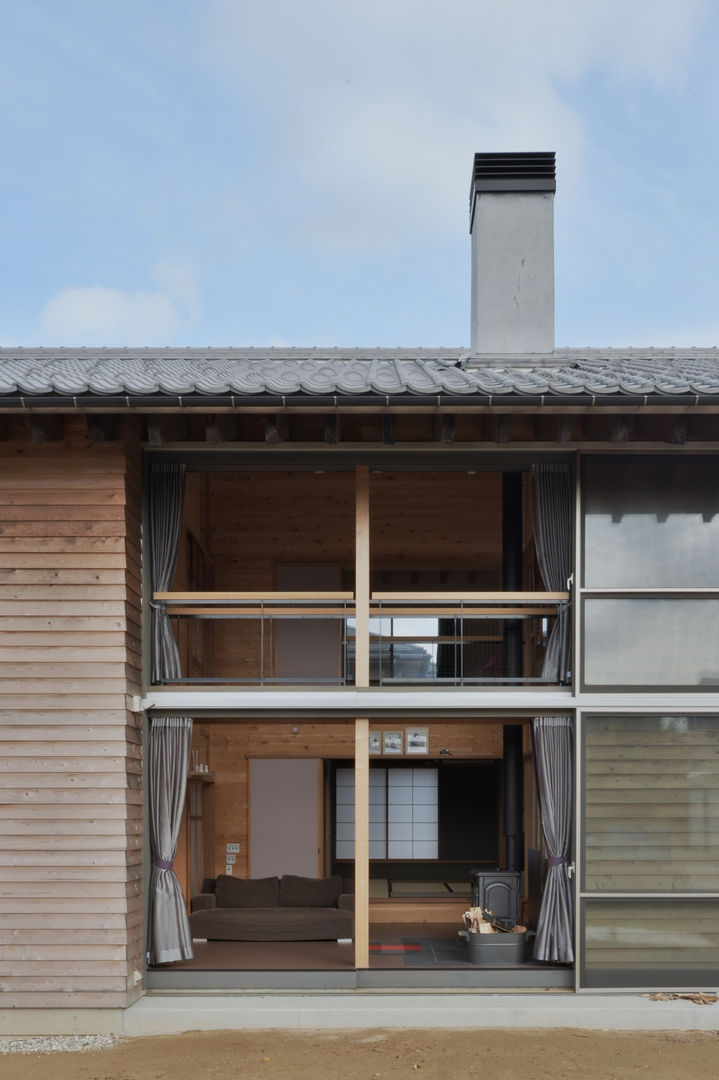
445	429
620	430
564	429
332	429
503	429
362	575
154	431
679	430
277	428
222	428
388	429
362	842
101	429
47	429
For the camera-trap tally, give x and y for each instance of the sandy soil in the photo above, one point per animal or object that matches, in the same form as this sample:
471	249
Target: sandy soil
383	1055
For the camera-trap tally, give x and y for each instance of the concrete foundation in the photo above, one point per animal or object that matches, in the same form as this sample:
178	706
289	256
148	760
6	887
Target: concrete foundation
158	1014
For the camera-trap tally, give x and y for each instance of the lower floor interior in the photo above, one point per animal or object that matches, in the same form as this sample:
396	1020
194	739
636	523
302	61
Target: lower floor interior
453	804
449	814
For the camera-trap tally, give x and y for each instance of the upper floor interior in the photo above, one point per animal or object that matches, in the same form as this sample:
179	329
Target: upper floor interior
581	570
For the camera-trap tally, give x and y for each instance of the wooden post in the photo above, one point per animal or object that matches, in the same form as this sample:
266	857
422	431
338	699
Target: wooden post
362	582
362	843
362	575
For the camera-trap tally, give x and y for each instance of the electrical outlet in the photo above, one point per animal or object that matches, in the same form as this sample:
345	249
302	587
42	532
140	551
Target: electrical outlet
232	849
230	859
228	868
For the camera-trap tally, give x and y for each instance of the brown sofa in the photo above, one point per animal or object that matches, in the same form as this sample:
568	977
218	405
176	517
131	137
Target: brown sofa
289	908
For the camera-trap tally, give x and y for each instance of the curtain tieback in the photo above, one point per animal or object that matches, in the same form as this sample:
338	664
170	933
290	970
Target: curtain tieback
162	864
557	860
158	605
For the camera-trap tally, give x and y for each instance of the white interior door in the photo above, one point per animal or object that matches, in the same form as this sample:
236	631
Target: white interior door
308	648
285	816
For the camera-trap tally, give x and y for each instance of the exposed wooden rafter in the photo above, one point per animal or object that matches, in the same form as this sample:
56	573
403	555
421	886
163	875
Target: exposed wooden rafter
277	428
388	429
47	429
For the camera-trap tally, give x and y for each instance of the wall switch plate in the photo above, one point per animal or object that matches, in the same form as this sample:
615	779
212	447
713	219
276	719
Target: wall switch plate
230	859
228	868
232	849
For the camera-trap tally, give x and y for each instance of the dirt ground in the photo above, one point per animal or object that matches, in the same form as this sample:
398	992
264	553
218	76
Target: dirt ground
383	1055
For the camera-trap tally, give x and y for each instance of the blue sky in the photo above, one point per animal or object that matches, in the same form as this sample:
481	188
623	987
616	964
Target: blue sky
269	172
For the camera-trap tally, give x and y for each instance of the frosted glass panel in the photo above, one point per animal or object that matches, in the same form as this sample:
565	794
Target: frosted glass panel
424	831
345	811
399	778
399	795
424	851
651	523
345	850
651	803
403	812
651	642
627	943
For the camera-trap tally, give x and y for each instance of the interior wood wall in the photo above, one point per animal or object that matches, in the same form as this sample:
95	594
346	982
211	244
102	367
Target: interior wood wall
234	743
70	751
253	523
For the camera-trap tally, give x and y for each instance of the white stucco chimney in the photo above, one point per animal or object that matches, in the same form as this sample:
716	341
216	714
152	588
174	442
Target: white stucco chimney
511	222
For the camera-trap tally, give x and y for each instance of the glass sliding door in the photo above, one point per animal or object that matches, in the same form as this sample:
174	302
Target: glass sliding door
650	836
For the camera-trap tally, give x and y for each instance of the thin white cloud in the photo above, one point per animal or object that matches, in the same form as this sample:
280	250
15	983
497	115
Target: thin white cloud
375	109
178	280
96	315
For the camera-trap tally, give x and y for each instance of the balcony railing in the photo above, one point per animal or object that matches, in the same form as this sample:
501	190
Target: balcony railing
309	638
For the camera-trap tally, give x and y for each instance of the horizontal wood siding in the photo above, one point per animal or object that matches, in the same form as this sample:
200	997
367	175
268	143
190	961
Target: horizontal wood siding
70	751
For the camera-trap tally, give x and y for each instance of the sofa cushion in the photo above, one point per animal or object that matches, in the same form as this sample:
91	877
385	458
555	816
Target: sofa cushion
308	892
232	892
272	924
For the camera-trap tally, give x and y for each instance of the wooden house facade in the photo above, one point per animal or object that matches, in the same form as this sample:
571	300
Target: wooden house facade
368	580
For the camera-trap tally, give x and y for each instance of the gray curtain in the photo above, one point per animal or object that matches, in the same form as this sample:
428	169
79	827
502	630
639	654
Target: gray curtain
553	743
169	937
553	536
167	486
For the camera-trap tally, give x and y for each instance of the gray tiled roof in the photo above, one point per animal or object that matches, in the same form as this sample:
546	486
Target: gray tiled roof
257	372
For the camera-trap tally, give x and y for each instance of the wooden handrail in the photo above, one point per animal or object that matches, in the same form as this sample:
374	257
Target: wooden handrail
376	597
249	597
481	597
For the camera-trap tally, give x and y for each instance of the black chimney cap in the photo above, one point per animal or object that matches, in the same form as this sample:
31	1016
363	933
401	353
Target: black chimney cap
512	172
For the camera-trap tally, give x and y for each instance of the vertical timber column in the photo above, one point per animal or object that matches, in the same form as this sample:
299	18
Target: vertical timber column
512	568
362	842
362	575
362	583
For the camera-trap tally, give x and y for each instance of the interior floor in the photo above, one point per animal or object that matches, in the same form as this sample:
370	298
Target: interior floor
392	945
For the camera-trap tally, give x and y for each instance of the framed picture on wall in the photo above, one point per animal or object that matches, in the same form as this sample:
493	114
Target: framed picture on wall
375	742
392	742
417	740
